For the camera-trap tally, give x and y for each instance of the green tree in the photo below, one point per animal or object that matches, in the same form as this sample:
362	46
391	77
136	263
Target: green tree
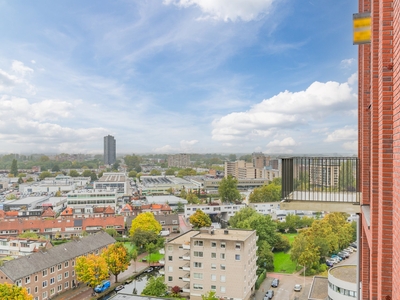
111	231
299	245
44	175
12	292
117	259
155	286
200	219
20	180
155	172
347	181
133	162
91	269
140	238
150	249
134	256
186	172
246	158
170	172
55	168
266	193
14	168
145	221
265	259
232	157
28	235
132	174
115	166
210	295
192	198
227	189
73	173
11	197
282	243
180	207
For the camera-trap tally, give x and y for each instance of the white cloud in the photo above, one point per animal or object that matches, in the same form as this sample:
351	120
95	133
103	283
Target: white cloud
287	110
228	10
347	63
20	68
343	134
187	146
289	141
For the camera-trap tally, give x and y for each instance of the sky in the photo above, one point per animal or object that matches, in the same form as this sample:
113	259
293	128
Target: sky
172	76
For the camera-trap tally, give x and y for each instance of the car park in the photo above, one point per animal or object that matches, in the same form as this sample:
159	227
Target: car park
275	282
330	263
346	253
342	255
297	287
348	249
337	257
269	294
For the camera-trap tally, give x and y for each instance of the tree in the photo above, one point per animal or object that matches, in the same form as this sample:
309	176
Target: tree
200	219
170	190
14	168
150	249
44	175
91	269
232	157
20	180
266	193
111	231
170	172
55	168
155	287
180	207
58	194
73	173
228	189
28	235
209	296
132	174
10	292
186	172
265	259
140	238
11	197
134	255
115	166
117	259
145	221
155	172
192	198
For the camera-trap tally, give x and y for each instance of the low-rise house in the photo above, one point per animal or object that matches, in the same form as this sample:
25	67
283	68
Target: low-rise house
16	246
169	222
52	271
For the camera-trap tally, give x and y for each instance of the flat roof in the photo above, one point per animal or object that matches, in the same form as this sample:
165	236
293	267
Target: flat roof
346	273
226	234
319	288
112	177
183	238
164	199
27	200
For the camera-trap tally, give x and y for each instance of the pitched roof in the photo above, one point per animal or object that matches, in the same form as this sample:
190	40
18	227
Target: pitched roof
109	210
67	212
48	213
36	262
127	208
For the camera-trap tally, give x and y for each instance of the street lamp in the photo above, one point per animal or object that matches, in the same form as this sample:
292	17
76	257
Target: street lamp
304	275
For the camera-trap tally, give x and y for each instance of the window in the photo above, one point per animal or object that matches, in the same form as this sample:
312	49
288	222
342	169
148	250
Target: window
59	267
213	288
213	255
66	274
222	267
170	268
66	284
59	288
197	286
51	270
237	246
222	255
237	257
213	277
44	273
59	277
198	275
223	278
52	280
198	253
44	284
223	245
170	278
18	283
222	289
213	266
169	258
27	279
52	291
44	295
197	264
28	290
214	244
36	289
73	273
73	263
36	278
169	248
66	264
198	243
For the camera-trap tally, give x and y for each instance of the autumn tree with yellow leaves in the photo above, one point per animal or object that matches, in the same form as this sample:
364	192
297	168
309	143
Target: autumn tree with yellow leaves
200	219
91	269
10	291
146	222
117	259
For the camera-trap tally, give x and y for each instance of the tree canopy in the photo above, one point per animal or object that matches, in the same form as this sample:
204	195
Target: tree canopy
210	295
14	168
73	173
91	269
117	258
44	175
145	221
12	292
155	287
228	191
200	219
267	193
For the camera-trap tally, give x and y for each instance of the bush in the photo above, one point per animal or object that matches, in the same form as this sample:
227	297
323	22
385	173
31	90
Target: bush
261	279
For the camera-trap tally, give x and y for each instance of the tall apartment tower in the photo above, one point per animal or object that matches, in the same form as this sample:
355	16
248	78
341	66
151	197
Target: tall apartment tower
181	160
379	151
110	150
217	260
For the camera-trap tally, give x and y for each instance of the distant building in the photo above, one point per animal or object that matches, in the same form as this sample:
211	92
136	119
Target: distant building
217	213
110	150
84	201
181	160
114	181
16	246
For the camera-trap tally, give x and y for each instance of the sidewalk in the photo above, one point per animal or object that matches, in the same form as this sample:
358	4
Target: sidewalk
74	293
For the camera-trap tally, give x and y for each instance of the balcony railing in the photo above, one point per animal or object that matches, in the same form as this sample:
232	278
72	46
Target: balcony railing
332	179
186	288
186	256
161	251
186	278
186	267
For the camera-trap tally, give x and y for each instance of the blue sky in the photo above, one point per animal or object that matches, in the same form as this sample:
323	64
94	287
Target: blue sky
169	76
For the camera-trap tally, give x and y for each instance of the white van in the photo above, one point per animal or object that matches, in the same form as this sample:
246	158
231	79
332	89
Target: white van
164	233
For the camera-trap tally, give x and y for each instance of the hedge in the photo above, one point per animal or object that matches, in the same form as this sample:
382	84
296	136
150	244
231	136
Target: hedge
261	279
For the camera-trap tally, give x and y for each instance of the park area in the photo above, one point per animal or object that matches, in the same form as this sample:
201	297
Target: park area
282	261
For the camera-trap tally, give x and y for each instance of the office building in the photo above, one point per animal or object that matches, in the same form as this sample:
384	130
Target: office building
110	150
181	160
217	260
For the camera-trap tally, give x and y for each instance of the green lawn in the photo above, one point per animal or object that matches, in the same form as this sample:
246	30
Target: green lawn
282	261
129	246
291	237
154	257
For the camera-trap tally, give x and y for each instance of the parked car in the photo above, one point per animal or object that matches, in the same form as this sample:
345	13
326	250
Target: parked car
341	255
102	286
275	282
346	253
269	294
330	263
354	245
336	257
348	249
297	287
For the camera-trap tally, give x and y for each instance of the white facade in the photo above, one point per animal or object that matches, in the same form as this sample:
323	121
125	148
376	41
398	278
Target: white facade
225	210
342	282
16	247
86	200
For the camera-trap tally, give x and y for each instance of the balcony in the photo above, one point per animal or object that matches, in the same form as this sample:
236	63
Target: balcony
186	288
161	271
321	184
186	267
186	278
186	256
186	246
161	251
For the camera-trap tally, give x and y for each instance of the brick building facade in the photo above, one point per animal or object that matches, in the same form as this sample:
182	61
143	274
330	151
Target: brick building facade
379	153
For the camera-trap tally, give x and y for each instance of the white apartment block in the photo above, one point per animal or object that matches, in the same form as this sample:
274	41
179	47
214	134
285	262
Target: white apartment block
114	181
266	208
86	200
217	260
225	211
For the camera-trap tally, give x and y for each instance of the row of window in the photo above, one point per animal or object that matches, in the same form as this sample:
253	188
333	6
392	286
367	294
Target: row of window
213	244
214	255
27	279
342	291
52	291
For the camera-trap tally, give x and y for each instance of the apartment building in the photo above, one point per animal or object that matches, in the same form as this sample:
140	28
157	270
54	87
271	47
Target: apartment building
16	246
216	212
180	160
52	271
114	181
84	201
217	260
110	150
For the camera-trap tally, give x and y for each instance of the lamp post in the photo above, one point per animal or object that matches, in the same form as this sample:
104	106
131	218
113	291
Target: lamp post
304	276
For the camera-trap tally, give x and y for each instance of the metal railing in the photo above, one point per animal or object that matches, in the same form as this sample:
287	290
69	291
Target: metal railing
334	179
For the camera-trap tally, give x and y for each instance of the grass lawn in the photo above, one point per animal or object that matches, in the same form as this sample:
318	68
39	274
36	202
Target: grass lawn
154	257
129	246
291	237
282	261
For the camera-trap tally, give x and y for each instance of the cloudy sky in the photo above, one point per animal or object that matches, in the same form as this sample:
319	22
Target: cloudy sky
168	76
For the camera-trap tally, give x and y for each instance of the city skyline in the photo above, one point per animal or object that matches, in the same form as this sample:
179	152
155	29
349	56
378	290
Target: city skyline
178	76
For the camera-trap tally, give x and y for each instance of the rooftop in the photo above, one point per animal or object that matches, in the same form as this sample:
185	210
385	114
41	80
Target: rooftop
319	288
112	177
346	273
